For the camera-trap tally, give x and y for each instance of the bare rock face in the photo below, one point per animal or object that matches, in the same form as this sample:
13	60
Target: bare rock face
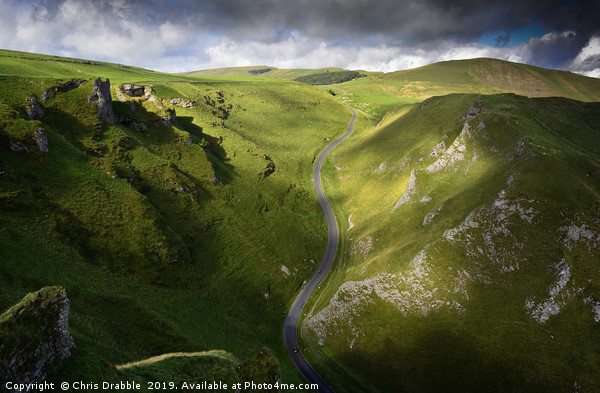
47	95
170	118
472	111
62	88
135	91
39	136
41	139
102	98
18	147
33	108
34	336
182	102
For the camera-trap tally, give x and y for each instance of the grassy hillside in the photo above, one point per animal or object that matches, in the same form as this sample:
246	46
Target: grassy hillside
287	74
185	371
492	76
473	241
30	65
380	93
328	78
183	227
471	221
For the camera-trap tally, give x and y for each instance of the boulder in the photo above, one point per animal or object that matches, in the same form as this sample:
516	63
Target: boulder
101	96
34	336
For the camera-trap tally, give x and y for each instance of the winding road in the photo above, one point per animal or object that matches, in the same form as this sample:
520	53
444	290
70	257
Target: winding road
290	327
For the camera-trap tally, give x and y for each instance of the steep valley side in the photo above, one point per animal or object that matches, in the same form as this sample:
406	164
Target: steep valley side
187	225
472	260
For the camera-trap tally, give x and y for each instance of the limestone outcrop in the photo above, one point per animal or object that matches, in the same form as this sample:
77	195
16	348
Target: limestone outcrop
170	118
101	96
139	93
33	108
136	90
18	147
62	88
34	336
182	102
41	139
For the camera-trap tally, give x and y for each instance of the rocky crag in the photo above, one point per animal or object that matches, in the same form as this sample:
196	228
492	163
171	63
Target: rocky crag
34	336
101	96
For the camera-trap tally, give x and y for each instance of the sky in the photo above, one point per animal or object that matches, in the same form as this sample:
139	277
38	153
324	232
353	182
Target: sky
372	35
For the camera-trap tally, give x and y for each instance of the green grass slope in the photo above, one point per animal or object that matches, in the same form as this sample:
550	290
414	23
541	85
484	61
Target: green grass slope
472	222
35	66
380	93
473	241
487	76
184	371
169	236
328	78
287	74
31	65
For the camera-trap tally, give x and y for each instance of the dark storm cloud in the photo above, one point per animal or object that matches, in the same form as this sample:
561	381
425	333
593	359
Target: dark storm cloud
556	49
426	24
142	31
415	22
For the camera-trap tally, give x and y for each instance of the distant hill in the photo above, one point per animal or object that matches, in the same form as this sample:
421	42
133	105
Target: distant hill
380	93
287	74
329	78
479	76
32	65
489	76
228	71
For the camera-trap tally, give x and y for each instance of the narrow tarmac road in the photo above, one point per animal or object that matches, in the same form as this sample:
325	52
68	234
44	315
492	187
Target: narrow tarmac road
290	327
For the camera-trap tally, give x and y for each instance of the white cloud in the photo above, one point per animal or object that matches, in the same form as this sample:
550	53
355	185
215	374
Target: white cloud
303	52
83	29
172	34
554	35
470	51
7	24
587	62
114	30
